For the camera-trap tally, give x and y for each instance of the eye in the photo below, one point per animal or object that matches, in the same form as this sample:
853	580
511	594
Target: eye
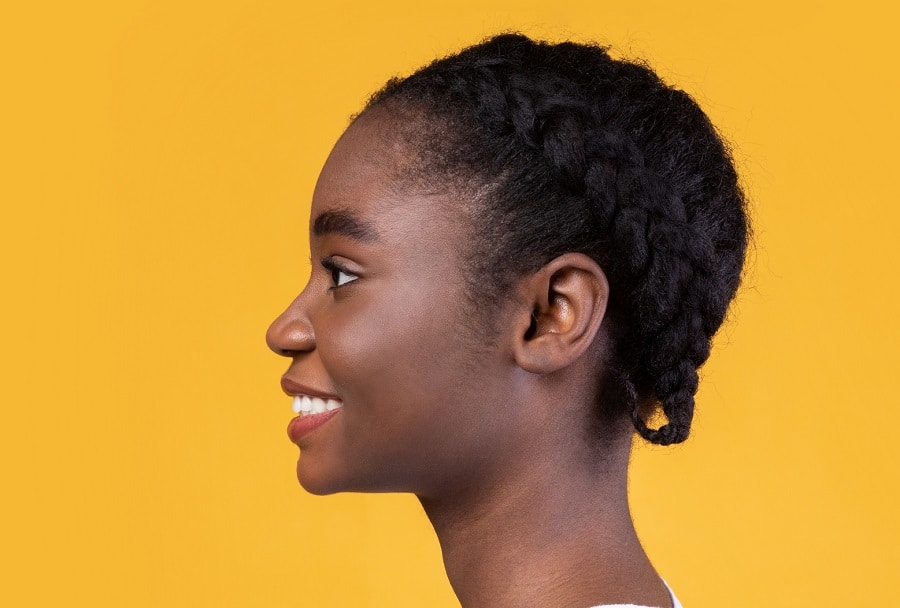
340	276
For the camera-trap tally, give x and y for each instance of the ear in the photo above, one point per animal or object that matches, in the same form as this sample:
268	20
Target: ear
561	311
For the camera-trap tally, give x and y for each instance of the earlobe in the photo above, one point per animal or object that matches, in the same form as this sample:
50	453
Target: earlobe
562	309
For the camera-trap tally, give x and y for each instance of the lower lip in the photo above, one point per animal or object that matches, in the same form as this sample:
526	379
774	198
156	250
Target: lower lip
301	426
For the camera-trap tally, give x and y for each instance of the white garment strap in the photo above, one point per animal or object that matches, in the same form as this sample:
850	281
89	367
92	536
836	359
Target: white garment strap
675	602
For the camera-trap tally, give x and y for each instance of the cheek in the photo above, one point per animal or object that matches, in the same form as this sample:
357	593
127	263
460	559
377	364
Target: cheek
400	365
413	320
385	346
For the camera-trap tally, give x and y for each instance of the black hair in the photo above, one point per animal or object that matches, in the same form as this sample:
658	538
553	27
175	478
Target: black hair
563	148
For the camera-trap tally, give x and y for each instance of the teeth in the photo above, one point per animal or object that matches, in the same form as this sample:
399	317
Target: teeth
305	405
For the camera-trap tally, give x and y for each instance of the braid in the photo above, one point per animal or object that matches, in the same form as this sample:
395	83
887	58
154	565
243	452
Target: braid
574	151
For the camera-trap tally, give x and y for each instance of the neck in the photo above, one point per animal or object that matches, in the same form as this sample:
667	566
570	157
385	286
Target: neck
553	534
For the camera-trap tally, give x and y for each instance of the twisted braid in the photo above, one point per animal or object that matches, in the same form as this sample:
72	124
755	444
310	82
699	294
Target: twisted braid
581	152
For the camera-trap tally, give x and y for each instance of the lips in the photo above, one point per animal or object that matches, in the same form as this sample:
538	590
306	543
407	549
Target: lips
295	388
301	426
314	407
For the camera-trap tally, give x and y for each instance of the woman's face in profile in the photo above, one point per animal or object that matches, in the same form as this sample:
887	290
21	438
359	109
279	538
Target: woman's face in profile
384	329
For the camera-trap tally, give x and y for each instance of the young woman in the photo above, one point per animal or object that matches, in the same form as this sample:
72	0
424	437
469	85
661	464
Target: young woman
520	256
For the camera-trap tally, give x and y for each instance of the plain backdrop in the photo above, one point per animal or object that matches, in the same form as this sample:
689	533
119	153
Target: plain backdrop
156	165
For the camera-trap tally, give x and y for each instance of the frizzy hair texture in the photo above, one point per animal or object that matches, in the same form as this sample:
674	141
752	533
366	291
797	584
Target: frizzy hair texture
564	149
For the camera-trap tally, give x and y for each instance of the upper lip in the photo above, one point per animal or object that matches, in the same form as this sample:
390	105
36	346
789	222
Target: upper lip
295	388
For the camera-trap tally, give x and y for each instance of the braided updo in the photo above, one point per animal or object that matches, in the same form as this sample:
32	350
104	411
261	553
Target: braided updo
563	149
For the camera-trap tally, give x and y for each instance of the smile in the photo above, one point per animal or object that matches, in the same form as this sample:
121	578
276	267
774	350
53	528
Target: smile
306	405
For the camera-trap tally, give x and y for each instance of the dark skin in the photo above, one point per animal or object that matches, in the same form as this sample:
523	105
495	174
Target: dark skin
493	432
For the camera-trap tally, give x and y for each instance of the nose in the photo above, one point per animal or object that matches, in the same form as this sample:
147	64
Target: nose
291	333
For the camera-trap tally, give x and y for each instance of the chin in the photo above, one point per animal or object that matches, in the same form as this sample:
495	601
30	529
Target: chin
316	481
322	481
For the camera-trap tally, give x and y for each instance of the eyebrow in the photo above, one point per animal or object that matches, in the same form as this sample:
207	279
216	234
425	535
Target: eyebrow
343	222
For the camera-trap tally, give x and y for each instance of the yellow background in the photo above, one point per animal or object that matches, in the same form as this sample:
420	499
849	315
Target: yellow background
157	164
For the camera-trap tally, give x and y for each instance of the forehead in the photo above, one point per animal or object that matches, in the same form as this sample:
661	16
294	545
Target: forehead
361	192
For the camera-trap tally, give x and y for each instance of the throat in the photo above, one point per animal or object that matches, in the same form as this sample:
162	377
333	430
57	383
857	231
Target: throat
561	542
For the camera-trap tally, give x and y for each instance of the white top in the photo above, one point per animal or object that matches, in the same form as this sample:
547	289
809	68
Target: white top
675	602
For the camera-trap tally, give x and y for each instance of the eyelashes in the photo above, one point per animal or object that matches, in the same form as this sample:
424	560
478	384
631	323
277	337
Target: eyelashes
340	276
